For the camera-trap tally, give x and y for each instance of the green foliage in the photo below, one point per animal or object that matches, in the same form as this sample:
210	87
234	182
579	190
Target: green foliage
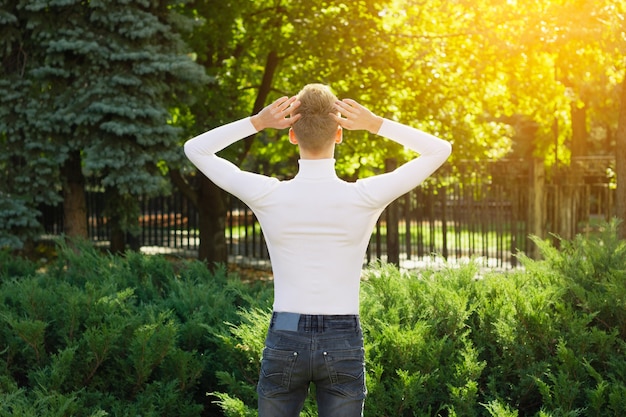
11	266
113	82
18	221
96	79
462	342
95	334
497	409
421	356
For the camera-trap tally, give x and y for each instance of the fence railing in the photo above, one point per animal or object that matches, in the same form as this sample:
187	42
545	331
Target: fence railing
480	211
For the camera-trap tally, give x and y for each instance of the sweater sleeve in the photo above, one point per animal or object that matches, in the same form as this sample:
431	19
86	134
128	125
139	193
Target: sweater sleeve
202	149
433	152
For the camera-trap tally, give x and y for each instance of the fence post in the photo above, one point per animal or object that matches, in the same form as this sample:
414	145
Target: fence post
536	193
444	223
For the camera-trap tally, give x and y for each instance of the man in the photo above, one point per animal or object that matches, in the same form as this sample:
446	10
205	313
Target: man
317	229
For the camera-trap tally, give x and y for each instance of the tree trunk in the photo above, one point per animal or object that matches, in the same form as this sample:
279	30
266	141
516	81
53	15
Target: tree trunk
536	192
271	64
122	212
567	204
114	212
210	200
74	200
118	237
570	178
212	223
620	164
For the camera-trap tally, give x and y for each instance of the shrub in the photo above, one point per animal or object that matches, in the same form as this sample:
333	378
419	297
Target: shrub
94	334
546	340
421	358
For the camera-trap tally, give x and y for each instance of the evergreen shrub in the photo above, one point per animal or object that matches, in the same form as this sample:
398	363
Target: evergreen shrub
547	340
92	334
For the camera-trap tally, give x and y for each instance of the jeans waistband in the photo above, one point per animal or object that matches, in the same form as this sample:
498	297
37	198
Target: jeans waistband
314	322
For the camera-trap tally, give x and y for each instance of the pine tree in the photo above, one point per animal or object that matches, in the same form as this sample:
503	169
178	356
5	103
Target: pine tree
86	89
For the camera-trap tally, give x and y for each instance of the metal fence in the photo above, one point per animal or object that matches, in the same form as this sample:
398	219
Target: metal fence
473	210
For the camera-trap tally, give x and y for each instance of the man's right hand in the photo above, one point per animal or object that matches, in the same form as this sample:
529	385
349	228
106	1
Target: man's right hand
356	117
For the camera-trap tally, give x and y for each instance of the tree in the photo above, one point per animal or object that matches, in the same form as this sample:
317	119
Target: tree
257	51
620	165
463	70
92	90
554	66
86	94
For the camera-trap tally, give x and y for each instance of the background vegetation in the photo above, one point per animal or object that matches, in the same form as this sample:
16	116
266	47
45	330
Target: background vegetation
101	94
94	334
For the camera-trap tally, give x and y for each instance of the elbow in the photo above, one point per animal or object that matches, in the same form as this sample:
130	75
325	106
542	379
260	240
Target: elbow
446	150
188	149
196	152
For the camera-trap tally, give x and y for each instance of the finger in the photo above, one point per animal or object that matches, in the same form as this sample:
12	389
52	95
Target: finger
288	121
279	101
286	107
351	102
342	109
274	108
279	106
286	102
293	105
345	107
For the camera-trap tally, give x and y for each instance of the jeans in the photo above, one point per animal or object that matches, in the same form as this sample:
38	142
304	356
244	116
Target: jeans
322	349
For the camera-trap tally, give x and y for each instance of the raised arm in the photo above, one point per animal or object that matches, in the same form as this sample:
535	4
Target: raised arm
354	116
213	141
433	151
202	149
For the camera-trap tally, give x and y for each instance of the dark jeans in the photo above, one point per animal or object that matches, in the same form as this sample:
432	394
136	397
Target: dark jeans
325	350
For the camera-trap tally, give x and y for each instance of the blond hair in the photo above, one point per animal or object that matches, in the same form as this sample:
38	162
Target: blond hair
316	128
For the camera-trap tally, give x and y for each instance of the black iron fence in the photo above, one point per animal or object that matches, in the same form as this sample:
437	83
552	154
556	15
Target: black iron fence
474	210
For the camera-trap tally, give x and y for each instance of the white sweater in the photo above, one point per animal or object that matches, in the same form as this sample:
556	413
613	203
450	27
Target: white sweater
317	226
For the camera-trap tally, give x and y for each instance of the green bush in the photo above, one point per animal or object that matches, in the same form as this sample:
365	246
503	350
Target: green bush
547	340
92	334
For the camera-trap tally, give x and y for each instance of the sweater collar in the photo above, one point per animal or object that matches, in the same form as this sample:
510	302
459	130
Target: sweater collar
316	168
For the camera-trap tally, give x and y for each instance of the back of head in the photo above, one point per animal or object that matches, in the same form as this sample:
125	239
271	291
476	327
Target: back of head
315	129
